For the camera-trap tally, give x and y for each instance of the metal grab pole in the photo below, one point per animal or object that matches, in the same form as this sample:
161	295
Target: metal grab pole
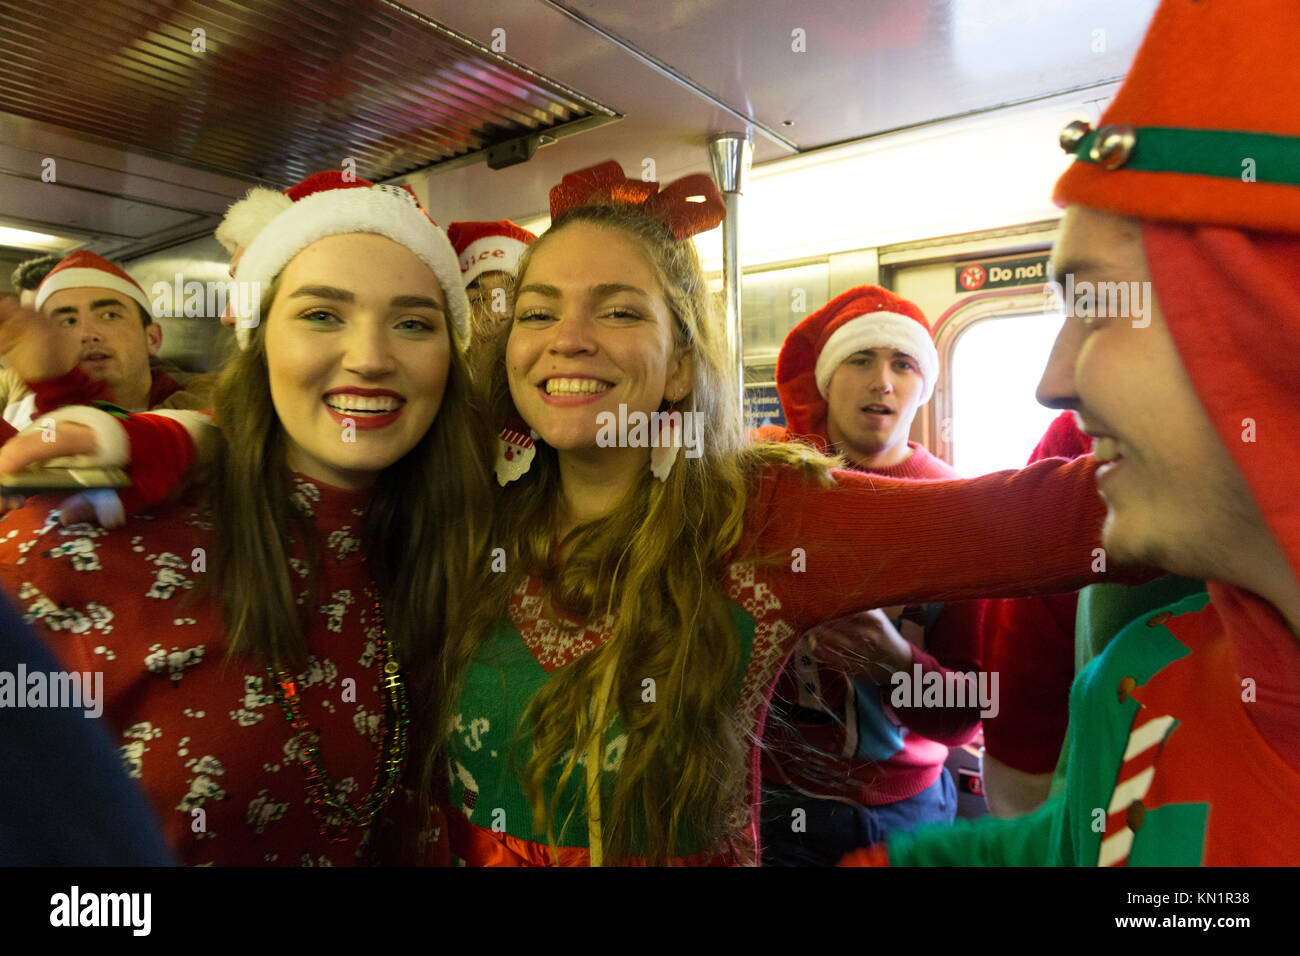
730	155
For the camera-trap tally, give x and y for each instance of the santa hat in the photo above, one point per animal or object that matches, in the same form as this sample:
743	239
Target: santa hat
85	270
389	211
247	217
867	317
488	247
1209	161
1218	144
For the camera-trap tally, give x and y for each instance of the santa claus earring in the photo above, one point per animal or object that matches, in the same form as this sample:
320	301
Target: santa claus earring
516	446
667	442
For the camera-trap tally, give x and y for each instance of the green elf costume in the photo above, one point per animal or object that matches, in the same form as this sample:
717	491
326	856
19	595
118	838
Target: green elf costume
1184	734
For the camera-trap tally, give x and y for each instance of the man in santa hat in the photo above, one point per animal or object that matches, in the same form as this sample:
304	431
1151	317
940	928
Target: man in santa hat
109	338
1184	734
851	378
489	254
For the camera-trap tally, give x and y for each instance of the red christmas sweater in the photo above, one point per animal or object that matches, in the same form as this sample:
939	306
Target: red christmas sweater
808	554
1030	643
864	750
204	735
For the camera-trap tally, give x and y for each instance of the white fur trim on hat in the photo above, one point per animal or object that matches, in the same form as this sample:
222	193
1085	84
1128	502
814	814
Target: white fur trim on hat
249	216
491	254
90	279
382	210
878	330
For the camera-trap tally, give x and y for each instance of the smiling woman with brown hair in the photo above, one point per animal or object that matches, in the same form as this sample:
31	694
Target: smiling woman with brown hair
607	687
260	644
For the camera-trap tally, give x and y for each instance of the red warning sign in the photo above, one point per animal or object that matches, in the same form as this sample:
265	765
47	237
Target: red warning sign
971	278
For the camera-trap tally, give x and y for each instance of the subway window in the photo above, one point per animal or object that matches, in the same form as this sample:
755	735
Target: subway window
774	301
995	367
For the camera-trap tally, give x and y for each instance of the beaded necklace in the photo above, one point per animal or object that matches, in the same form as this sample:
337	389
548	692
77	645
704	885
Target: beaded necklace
322	792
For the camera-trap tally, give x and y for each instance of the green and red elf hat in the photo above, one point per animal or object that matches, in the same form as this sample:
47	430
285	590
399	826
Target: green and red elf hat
1206	128
1202	146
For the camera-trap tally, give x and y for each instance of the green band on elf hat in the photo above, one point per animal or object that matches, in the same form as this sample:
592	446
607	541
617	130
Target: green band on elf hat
1198	152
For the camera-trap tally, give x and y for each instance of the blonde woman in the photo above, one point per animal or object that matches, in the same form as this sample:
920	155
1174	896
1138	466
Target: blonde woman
606	690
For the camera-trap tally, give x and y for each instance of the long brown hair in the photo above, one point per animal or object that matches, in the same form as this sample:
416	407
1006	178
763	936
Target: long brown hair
656	564
424	525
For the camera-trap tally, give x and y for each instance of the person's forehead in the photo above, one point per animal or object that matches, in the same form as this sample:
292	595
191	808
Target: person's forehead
362	262
493	278
1097	242
891	350
83	295
588	255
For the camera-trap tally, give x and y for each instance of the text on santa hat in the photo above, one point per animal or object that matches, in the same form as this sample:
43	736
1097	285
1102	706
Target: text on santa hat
654	430
469	261
194	300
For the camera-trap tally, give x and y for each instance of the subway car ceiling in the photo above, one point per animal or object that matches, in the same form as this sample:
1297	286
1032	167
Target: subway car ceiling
128	126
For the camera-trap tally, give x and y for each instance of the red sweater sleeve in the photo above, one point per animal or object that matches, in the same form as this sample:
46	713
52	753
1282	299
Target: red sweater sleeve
872	542
162	452
74	388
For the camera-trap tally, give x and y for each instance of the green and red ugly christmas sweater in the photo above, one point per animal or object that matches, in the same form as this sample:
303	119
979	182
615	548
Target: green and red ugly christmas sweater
808	554
1183	751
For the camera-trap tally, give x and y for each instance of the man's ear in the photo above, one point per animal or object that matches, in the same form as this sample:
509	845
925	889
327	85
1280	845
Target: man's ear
153	336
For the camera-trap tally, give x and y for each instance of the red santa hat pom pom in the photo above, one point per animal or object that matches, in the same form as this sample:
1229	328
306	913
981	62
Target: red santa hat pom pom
389	211
488	247
86	270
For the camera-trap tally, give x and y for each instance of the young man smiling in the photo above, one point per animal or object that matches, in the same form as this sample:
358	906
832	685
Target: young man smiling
1185	733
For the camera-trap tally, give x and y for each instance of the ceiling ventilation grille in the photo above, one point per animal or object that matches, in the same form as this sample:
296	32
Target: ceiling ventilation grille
273	89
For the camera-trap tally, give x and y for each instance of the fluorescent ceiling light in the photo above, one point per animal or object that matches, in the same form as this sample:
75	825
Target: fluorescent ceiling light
39	241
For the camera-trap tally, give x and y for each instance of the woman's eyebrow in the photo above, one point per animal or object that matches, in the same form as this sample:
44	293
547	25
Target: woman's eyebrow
599	291
613	288
323	292
414	302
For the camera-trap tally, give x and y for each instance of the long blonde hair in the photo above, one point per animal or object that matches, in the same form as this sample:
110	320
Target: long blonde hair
656	564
